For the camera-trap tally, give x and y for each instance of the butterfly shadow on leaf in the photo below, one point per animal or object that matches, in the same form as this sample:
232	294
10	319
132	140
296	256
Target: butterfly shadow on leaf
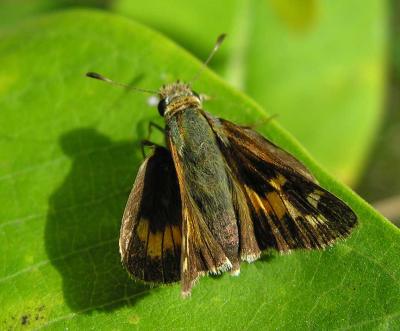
84	220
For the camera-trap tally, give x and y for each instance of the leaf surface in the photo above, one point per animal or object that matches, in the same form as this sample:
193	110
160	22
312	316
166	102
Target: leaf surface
69	152
318	65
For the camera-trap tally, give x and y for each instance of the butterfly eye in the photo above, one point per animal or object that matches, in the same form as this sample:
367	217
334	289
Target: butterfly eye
161	106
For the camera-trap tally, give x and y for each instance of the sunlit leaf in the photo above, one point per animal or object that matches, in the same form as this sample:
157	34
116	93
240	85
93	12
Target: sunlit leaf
69	152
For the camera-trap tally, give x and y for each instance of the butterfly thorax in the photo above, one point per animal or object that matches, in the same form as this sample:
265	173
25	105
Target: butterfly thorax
177	97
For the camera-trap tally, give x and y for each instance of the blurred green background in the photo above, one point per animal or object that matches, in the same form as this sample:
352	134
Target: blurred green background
328	70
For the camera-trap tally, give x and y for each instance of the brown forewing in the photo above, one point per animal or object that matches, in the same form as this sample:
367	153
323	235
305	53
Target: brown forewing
287	207
150	238
201	253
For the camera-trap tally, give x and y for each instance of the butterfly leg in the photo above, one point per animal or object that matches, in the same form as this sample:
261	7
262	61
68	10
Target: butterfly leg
152	126
147	143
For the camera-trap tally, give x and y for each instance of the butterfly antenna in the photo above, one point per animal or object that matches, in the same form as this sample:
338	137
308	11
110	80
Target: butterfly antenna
95	75
217	45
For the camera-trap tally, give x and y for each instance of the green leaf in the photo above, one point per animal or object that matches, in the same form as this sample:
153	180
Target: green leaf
69	152
297	58
318	65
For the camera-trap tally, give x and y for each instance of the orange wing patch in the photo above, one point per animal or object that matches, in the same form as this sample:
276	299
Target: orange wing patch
150	240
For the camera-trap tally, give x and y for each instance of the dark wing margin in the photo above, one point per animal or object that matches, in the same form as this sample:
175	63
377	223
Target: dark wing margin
287	207
150	238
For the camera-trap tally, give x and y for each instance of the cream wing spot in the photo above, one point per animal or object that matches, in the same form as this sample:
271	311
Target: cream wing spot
293	211
277	182
314	197
312	220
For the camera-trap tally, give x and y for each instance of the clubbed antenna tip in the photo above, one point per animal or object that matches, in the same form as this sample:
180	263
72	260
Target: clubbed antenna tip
98	76
218	43
95	75
220	39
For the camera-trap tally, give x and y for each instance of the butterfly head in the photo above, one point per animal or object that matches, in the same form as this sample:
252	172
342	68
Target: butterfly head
176	97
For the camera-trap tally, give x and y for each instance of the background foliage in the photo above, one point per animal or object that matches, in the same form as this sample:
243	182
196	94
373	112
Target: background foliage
313	63
69	151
